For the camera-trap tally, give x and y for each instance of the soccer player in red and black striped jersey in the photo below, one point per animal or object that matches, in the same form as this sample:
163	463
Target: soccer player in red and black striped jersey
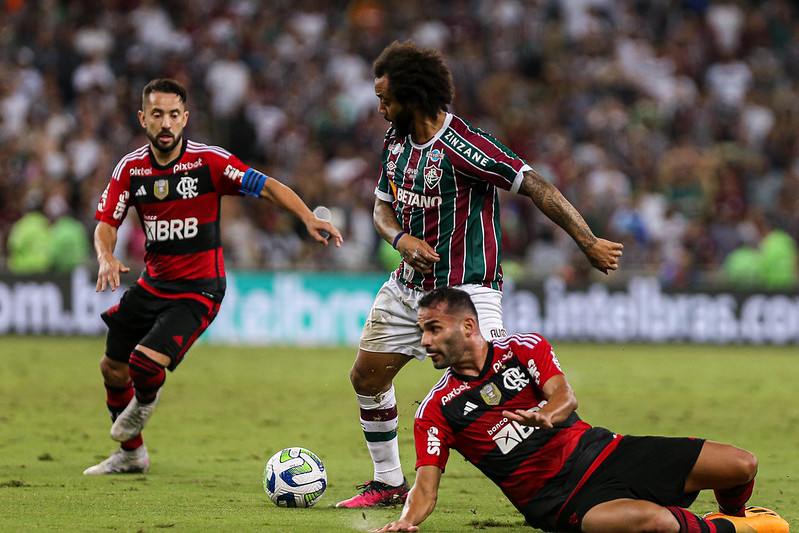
176	186
437	202
507	407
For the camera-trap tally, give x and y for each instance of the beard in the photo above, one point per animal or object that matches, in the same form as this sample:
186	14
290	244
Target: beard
402	123
439	359
161	147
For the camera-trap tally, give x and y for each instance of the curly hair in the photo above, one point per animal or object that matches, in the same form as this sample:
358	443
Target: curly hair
163	85
416	76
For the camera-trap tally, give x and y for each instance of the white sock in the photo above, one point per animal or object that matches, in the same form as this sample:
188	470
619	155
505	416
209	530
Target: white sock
379	421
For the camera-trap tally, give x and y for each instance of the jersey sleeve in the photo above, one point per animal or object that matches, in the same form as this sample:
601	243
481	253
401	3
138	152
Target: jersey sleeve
228	173
115	201
539	356
476	154
432	439
385	188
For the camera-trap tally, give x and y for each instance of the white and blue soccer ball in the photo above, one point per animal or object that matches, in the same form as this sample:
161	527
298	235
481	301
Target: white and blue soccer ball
295	477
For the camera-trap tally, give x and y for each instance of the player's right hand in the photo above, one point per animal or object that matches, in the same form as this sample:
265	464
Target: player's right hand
417	253
108	274
398	525
324	232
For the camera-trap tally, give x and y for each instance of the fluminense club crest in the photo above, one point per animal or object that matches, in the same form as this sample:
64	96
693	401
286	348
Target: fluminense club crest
432	175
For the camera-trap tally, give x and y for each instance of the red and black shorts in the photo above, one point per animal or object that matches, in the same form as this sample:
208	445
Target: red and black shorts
640	468
164	324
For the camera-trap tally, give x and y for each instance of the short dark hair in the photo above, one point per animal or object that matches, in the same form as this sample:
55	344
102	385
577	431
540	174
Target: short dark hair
456	300
416	76
163	85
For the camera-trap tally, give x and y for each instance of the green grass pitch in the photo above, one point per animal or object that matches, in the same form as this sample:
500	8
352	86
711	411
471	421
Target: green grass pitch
226	410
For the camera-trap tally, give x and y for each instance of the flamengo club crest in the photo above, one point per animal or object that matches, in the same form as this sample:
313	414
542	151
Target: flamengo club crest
187	187
161	189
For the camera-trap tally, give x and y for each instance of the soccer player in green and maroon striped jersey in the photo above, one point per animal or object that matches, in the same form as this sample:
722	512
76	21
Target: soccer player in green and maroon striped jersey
437	203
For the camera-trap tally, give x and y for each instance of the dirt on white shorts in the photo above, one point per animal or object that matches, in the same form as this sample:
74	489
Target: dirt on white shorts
391	324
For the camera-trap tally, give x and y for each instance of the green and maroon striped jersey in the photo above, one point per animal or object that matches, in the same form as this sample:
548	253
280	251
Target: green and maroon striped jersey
445	193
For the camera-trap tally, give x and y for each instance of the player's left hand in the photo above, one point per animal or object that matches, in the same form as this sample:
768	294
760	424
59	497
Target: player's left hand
604	255
529	417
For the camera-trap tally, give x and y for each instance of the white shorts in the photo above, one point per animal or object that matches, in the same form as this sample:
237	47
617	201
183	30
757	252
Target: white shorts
391	325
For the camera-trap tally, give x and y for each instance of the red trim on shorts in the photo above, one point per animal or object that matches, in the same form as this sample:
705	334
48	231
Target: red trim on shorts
175	296
591	469
207	319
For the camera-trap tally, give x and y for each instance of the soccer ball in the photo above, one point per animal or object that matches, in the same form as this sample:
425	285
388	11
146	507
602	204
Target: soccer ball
295	477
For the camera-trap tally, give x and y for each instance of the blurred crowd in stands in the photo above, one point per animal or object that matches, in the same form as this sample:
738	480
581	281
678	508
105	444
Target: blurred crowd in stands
672	126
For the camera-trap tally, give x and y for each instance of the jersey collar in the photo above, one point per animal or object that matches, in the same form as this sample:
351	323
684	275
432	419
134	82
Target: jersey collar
169	165
435	137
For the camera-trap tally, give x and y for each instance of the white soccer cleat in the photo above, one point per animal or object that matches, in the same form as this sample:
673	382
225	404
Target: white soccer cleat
133	419
123	462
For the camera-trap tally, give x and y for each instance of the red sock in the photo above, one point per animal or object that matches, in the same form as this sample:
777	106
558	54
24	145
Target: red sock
733	501
690	523
147	376
117	398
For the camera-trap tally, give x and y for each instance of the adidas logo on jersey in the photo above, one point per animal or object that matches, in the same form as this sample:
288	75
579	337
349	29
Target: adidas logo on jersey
141	191
469	407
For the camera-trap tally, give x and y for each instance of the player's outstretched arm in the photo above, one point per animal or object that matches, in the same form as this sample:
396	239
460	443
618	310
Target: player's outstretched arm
602	254
110	268
415	252
421	500
284	197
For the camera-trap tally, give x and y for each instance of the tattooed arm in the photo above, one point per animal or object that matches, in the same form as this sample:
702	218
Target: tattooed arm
603	254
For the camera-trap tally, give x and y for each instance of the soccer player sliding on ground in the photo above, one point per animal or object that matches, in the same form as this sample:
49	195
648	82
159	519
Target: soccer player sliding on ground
507	407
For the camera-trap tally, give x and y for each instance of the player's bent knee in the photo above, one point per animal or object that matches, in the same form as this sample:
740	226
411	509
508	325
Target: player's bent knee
367	381
748	466
660	522
114	373
629	516
742	466
357	378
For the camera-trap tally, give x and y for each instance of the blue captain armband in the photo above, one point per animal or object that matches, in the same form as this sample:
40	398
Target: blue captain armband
252	182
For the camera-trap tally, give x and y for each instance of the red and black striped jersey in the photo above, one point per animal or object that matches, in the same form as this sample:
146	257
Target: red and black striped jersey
178	206
445	193
537	469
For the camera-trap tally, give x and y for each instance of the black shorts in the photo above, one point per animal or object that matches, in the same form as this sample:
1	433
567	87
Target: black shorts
640	468
167	325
